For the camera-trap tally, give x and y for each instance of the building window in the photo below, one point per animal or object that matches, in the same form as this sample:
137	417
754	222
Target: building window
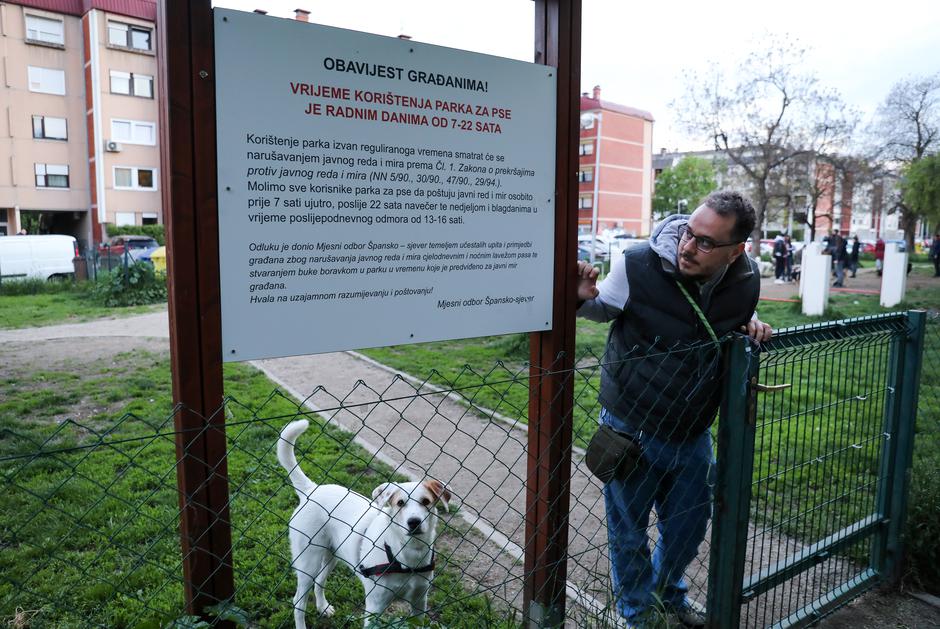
46	80
585	203
133	178
44	30
586	175
52	176
130	36
133	131
131	84
49	128
125	218
586	149
148	218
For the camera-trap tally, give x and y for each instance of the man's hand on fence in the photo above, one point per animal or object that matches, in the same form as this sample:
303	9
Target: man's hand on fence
587	281
758	330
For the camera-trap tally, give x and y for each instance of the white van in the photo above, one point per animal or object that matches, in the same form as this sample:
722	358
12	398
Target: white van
41	257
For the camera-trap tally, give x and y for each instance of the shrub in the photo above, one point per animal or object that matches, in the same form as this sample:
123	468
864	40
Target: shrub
923	526
136	285
154	231
35	287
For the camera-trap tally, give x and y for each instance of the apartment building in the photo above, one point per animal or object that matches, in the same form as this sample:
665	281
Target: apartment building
615	167
78	128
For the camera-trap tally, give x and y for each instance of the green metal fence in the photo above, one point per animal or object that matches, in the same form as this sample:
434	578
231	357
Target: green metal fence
813	485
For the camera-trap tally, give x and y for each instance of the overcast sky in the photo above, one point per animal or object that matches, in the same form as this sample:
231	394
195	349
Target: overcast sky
636	51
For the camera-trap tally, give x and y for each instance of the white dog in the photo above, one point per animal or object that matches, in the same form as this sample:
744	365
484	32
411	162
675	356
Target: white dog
388	541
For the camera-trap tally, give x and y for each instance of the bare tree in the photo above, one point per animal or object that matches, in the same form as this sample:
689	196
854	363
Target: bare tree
908	121
763	114
853	171
905	130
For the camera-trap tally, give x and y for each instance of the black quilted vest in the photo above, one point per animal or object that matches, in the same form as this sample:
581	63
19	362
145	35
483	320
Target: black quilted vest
661	372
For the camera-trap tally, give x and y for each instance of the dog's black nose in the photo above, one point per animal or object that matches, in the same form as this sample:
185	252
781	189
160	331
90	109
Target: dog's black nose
414	524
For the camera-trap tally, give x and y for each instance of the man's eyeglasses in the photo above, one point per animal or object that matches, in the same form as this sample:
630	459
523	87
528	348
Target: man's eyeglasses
702	243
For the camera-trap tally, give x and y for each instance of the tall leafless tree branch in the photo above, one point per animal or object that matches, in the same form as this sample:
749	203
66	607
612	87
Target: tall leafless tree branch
764	114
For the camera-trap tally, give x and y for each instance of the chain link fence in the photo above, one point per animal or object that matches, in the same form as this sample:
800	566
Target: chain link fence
90	534
103	260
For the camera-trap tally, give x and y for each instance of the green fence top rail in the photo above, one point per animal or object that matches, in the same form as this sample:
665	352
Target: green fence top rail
796	336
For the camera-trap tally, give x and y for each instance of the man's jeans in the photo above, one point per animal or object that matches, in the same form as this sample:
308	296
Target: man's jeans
677	480
840	273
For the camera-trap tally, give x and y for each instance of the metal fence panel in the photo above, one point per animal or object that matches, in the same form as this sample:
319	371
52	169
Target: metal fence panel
830	458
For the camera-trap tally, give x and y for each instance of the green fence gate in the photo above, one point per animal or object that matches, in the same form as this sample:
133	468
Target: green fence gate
814	456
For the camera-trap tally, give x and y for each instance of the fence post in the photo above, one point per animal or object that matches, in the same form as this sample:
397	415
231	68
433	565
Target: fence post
893	384
735	467
551	396
895	482
188	173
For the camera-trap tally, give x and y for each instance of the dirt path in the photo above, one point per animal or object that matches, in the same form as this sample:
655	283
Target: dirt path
483	461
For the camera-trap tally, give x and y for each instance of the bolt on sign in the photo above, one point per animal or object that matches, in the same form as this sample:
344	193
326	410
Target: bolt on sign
376	191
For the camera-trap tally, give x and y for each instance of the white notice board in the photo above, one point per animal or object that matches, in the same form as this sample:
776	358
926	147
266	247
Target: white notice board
376	191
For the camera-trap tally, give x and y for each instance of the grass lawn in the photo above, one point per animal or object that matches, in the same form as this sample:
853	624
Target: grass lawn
89	529
64	306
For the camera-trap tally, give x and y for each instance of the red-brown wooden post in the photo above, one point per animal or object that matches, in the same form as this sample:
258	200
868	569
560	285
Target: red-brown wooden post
551	397
186	89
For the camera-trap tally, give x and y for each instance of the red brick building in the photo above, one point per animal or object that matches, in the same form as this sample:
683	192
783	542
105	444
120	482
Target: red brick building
833	210
615	171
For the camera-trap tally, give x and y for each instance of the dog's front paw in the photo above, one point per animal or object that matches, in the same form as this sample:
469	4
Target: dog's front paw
327	611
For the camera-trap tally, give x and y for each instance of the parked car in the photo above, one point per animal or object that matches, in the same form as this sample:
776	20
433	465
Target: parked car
601	246
632	242
138	249
621	242
766	246
47	257
868	246
117	245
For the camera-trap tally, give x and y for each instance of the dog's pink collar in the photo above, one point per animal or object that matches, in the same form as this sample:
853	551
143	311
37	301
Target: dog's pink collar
393	566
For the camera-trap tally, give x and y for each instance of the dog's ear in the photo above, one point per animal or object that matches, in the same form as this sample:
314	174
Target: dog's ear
441	494
382	495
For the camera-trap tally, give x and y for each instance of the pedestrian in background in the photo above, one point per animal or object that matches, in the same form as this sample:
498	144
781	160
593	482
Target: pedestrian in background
790	251
837	249
853	257
780	259
879	256
935	254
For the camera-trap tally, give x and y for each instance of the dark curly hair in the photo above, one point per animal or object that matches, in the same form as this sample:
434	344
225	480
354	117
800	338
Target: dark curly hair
730	202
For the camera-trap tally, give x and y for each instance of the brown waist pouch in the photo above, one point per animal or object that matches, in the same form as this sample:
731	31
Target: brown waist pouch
612	454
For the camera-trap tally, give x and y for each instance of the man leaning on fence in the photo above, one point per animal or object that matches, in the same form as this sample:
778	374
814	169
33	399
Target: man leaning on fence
668	301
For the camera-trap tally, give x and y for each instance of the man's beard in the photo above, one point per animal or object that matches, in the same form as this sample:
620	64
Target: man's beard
690	272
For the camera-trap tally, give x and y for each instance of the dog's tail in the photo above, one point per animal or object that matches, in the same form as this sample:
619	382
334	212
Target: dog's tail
287	459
